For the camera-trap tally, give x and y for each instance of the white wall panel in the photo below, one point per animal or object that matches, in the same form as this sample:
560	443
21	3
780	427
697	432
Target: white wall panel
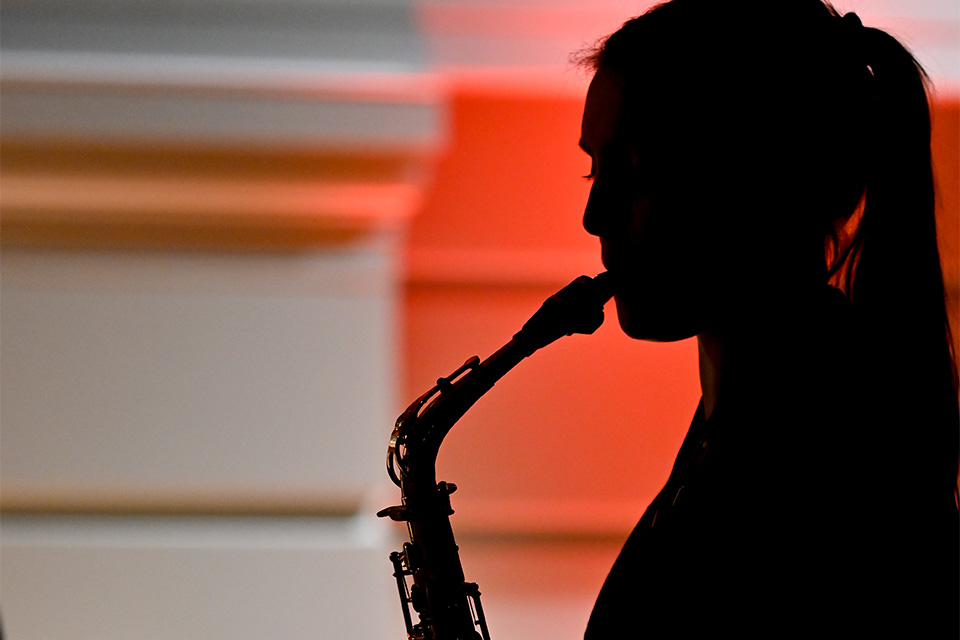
188	578
219	418
173	377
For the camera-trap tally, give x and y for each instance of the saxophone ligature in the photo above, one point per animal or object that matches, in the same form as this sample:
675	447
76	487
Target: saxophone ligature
447	605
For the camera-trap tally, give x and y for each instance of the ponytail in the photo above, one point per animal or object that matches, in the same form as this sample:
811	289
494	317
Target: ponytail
893	272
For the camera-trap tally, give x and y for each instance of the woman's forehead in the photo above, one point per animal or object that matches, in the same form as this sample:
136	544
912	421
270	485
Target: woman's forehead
602	113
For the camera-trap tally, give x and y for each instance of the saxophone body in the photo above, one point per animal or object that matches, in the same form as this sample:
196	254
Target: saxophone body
429	575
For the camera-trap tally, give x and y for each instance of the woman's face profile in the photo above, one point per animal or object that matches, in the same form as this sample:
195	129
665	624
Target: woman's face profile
652	234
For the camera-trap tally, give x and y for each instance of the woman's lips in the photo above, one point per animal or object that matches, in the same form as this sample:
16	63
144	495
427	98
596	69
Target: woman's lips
607	255
609	263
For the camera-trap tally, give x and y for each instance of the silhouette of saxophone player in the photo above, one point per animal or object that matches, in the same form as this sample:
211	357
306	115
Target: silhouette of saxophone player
762	180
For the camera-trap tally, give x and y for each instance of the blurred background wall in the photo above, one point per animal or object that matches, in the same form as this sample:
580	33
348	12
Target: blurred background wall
239	236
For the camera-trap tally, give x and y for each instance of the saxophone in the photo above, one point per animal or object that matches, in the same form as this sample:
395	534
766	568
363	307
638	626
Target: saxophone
449	607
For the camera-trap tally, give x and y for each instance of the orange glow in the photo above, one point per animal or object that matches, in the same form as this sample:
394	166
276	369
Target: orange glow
510	178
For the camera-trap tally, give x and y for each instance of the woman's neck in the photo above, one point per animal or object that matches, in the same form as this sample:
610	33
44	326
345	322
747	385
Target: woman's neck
730	358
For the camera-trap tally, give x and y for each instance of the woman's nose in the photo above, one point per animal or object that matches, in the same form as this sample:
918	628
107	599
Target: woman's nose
608	208
592	213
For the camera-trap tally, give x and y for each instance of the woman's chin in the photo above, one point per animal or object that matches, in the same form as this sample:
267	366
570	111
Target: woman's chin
652	323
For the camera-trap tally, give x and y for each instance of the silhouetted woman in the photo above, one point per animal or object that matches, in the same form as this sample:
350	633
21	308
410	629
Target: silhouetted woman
762	180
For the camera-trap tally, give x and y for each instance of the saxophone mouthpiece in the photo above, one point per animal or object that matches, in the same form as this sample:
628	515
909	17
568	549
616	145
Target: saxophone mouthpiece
577	308
603	285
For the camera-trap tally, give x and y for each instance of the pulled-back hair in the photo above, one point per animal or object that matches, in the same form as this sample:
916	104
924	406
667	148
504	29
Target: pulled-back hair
821	128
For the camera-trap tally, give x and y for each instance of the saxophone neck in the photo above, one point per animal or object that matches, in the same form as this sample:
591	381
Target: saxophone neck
577	308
